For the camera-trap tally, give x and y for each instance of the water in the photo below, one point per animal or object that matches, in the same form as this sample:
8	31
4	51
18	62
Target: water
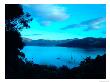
59	56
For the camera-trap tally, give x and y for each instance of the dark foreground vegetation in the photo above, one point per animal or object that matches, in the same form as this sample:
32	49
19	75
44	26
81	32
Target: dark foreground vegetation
88	69
16	68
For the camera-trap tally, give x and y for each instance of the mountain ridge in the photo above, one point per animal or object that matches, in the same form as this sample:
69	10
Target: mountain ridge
88	42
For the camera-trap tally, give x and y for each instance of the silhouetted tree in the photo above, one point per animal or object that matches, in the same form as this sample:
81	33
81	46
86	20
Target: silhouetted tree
15	20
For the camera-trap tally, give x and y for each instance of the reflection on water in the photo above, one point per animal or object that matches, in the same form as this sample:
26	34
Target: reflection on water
59	56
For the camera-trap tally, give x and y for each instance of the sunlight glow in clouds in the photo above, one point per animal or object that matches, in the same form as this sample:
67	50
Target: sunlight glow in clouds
48	13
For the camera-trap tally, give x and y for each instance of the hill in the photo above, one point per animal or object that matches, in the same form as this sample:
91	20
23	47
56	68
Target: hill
88	42
42	42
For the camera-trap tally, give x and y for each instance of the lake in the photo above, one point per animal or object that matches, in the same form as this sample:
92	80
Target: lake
60	56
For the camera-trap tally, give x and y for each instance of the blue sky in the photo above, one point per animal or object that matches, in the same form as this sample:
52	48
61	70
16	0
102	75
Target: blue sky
65	21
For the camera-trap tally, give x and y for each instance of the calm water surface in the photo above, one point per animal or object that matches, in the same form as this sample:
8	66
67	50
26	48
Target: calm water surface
59	56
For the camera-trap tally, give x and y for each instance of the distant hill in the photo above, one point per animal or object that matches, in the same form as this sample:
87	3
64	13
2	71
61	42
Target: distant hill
42	42
88	42
26	39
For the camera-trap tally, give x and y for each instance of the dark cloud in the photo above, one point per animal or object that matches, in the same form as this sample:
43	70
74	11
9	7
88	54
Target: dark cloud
70	26
92	24
93	21
104	32
32	34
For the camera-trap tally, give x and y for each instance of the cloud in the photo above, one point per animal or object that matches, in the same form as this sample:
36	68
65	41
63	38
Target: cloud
70	26
93	24
45	23
32	34
104	32
93	21
48	12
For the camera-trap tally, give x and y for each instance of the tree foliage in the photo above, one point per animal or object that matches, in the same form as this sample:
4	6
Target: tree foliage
15	20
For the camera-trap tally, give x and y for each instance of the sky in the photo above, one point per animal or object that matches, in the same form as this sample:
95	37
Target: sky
65	21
